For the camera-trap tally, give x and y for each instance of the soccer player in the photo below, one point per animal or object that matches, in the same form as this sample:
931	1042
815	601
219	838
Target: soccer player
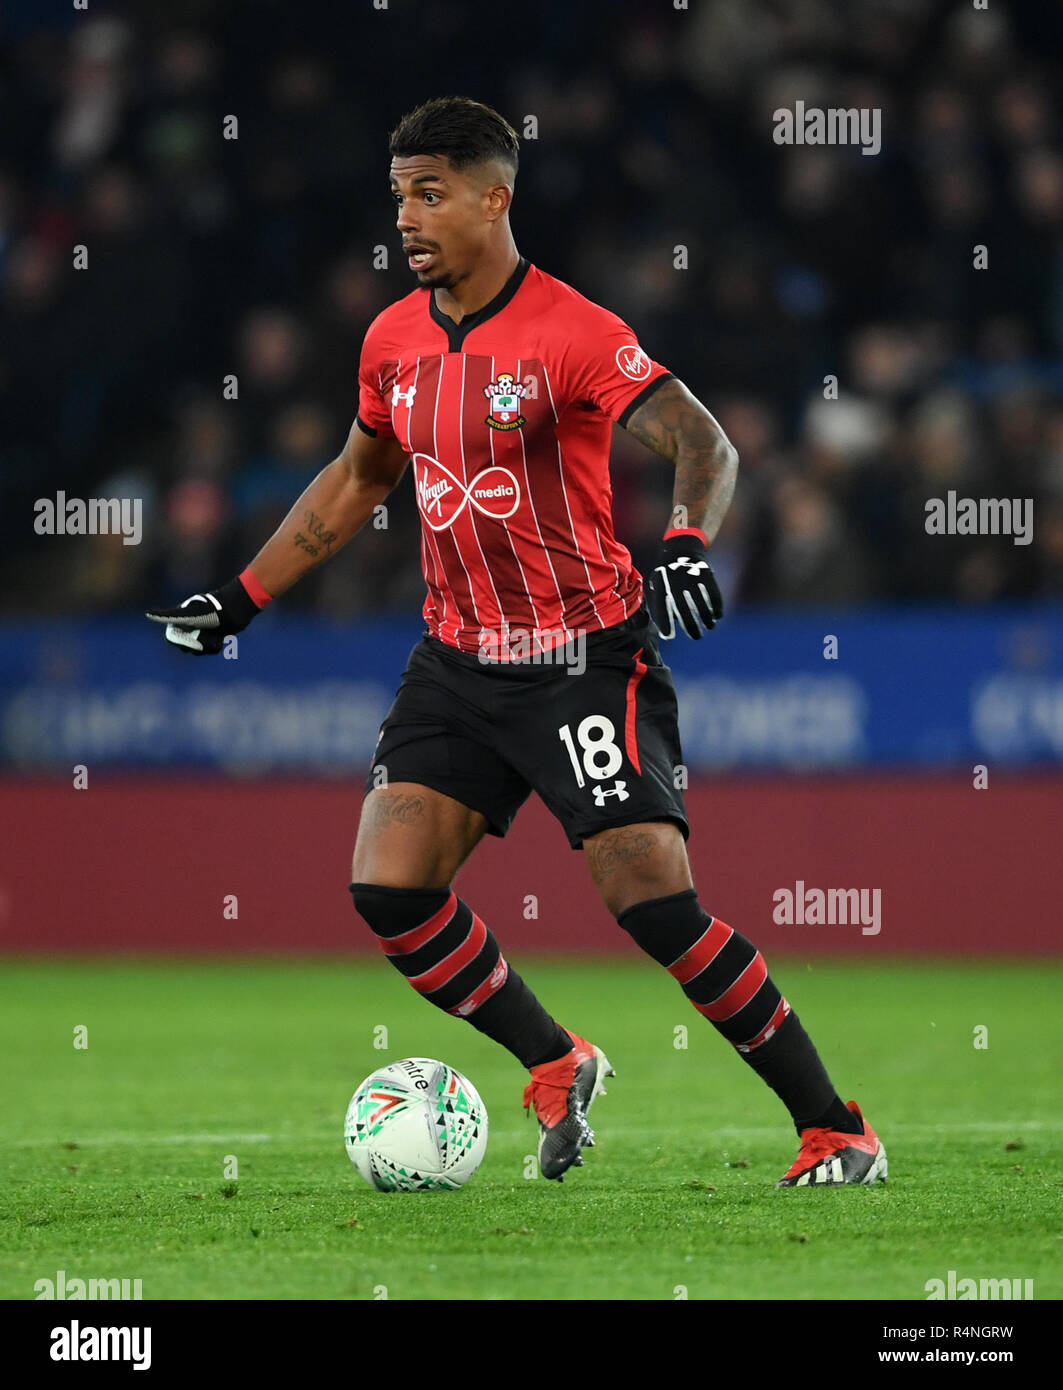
539	669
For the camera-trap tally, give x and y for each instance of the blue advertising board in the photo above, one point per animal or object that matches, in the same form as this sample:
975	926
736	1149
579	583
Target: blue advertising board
918	687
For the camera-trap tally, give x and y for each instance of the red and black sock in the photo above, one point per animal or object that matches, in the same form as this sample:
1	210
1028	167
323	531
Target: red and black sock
453	960
724	976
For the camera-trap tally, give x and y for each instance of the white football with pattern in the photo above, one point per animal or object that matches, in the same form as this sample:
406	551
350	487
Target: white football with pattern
416	1125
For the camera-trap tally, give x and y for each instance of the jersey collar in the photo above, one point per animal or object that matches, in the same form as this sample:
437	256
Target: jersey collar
456	332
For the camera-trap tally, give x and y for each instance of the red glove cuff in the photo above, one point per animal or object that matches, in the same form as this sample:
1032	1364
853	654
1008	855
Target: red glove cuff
255	591
687	531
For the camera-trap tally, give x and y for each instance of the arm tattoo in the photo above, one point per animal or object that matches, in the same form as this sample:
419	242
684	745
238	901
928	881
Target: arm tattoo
316	539
623	846
396	808
678	427
318	530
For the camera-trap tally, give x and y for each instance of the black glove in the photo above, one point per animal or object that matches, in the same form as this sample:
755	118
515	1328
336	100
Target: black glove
684	587
202	623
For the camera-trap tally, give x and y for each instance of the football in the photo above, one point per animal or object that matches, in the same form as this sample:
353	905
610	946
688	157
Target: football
416	1126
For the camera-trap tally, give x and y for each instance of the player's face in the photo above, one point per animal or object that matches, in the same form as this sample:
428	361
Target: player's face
441	218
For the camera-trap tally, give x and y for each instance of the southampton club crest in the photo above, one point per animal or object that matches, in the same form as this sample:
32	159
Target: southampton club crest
504	394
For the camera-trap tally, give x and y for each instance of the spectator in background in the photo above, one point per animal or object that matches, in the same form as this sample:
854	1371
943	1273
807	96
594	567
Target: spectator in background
754	270
815	557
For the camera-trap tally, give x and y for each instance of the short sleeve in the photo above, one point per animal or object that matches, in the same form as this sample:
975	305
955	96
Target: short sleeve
611	370
373	414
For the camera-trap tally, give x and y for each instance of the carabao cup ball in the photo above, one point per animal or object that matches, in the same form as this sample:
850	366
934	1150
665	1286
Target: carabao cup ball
415	1126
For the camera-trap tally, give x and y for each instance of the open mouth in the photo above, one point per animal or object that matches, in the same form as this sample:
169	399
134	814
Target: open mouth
419	259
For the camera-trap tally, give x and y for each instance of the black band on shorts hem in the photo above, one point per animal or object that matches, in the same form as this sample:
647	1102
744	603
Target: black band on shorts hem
635	818
435	784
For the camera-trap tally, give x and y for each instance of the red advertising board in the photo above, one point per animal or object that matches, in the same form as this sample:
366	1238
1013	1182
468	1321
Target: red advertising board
145	864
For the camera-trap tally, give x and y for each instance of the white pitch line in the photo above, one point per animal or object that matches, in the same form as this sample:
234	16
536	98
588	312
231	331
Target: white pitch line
620	1132
108	1139
962	1127
769	1131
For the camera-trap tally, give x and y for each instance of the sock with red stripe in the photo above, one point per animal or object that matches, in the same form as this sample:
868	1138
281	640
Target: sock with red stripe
724	976
453	960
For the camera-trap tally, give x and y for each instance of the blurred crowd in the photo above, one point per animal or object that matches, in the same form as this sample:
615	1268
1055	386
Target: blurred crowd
804	266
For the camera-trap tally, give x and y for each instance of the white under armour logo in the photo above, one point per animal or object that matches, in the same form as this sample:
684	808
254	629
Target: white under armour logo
406	397
617	790
691	566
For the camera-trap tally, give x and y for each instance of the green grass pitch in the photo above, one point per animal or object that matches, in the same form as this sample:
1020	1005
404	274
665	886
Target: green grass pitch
113	1155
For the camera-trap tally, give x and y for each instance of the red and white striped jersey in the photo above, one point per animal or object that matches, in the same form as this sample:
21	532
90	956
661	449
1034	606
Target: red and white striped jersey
507	417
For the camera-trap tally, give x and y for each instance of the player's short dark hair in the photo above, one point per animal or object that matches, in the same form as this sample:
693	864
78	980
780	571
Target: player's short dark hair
466	132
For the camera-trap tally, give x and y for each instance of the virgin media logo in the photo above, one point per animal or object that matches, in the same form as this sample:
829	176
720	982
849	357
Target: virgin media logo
442	498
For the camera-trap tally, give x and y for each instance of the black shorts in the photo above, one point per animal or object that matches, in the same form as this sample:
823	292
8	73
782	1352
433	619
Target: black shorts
600	747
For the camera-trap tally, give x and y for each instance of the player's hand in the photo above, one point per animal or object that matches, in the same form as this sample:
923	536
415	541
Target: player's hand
202	623
683	587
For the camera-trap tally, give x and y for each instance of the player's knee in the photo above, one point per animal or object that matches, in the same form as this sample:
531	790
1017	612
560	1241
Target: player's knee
392	911
634	863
